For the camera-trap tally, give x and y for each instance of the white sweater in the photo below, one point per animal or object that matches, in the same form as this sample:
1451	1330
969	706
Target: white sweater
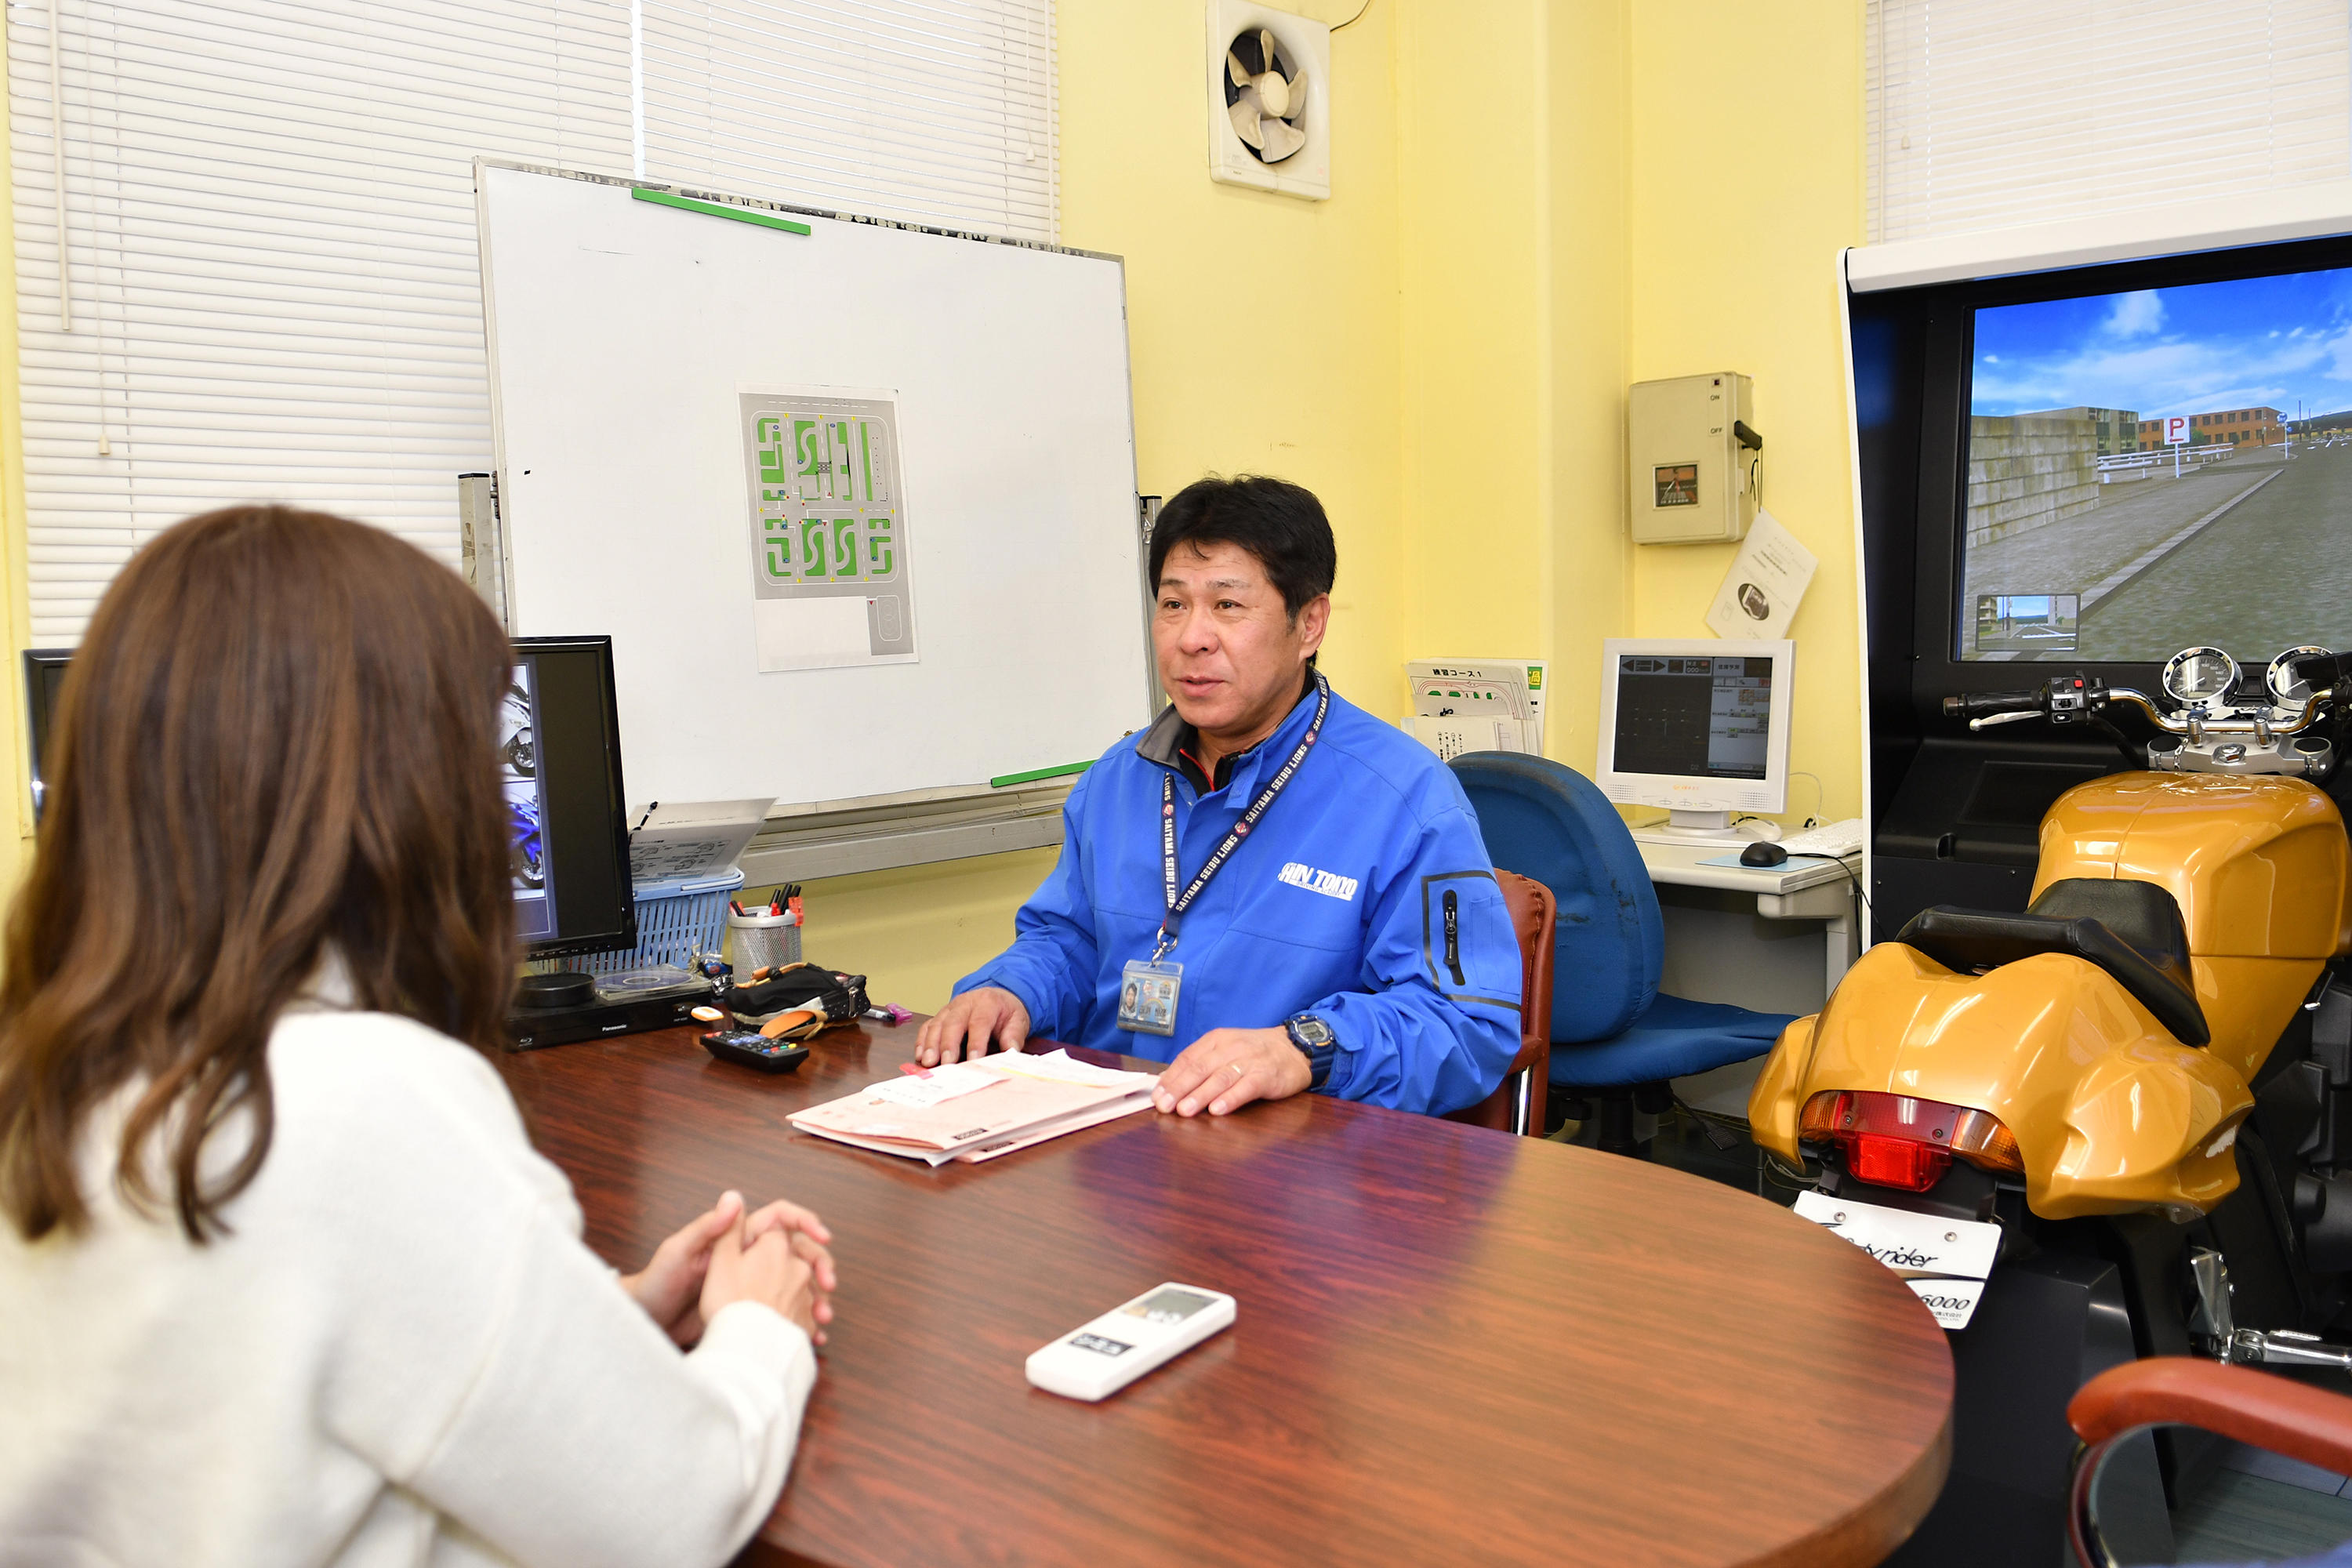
401	1354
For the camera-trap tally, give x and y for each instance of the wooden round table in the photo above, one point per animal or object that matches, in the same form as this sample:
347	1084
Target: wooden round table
1453	1344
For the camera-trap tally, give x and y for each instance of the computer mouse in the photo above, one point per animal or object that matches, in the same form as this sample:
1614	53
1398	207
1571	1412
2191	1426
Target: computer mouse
1763	852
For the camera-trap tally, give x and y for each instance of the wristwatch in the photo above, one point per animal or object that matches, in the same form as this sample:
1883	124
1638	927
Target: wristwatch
1315	1042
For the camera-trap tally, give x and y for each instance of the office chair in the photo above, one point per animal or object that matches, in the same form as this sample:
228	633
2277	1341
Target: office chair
1518	1104
1616	1040
2258	1408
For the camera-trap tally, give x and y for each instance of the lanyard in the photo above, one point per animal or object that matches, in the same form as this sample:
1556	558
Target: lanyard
1178	903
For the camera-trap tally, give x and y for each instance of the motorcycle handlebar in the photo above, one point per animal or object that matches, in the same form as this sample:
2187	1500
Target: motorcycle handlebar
1976	702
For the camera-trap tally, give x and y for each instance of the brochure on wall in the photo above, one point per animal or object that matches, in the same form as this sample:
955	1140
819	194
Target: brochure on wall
1470	698
1766	584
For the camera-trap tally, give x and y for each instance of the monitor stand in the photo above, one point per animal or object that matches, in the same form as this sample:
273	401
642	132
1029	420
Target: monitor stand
1702	828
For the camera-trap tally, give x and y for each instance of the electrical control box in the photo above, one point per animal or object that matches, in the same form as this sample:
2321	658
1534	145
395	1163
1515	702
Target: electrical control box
1696	458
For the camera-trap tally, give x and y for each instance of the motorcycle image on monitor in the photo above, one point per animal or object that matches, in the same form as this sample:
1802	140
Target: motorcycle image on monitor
2153	1063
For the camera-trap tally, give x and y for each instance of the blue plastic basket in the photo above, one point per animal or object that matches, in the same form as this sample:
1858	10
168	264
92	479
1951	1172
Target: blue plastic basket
675	920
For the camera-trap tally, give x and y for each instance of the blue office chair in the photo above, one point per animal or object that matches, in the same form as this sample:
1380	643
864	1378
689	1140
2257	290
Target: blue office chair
1616	1041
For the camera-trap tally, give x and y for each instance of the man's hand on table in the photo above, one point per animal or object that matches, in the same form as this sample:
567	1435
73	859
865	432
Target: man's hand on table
964	1026
1225	1070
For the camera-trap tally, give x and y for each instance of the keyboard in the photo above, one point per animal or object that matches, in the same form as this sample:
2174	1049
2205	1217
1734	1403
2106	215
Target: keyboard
1836	840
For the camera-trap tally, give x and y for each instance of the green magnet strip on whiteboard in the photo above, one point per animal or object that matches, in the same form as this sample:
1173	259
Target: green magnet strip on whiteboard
1033	774
740	215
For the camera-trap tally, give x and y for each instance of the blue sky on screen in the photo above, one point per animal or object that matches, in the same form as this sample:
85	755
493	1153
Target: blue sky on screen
2244	342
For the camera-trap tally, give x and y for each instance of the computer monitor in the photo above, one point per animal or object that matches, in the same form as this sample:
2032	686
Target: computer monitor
560	752
1698	726
560	743
45	677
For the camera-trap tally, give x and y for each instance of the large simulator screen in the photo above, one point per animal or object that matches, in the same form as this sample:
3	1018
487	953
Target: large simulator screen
1692	718
2155	468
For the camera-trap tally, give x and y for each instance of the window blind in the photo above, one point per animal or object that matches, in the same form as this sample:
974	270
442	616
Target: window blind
933	111
270	218
1983	114
270	246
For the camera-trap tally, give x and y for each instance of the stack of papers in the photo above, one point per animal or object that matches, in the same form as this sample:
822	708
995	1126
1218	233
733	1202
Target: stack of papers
679	841
972	1111
1476	705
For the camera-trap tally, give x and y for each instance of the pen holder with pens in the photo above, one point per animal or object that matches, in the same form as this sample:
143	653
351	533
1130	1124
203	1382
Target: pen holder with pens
758	940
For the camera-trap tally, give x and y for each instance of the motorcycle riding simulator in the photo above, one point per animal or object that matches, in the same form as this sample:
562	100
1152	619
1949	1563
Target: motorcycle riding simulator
2106	1009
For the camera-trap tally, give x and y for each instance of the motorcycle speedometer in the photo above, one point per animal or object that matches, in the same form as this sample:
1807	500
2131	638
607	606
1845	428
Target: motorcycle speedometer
2195	676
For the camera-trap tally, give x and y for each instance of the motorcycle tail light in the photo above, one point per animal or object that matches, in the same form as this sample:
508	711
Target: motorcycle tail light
1896	1162
1872	1129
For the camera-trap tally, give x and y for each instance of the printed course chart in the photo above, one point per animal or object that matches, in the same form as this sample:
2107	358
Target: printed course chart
829	566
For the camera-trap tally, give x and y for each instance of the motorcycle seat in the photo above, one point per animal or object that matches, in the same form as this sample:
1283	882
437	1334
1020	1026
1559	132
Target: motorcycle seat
2131	930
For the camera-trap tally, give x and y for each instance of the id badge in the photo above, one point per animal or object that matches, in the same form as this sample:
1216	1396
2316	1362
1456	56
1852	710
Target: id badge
1147	997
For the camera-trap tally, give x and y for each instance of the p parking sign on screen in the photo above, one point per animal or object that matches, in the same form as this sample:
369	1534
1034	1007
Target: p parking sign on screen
2176	430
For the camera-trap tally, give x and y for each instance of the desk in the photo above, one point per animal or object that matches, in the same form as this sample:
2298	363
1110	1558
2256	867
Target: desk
1453	1344
1806	889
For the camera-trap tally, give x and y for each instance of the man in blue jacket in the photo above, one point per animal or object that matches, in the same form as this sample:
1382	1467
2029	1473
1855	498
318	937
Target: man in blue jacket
1291	891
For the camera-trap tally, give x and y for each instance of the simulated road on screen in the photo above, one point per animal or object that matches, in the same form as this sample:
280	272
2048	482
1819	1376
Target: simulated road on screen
2272	572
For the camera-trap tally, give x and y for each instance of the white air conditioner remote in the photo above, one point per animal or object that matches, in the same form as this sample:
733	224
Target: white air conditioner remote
1124	1343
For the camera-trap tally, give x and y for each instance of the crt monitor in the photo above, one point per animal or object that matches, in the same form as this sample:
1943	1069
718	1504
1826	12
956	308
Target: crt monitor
559	753
1698	726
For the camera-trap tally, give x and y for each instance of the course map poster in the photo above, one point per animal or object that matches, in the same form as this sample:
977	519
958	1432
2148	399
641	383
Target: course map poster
829	542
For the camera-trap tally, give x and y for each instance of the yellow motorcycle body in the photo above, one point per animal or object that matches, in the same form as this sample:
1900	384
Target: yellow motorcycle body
2049	1067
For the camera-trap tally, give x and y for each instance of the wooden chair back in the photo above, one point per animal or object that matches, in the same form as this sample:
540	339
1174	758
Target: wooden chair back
1517	1103
2258	1408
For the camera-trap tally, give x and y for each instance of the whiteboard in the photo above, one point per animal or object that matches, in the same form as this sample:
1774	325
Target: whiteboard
629	340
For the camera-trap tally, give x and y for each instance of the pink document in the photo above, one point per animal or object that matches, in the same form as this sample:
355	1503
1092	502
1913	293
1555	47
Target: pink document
972	1111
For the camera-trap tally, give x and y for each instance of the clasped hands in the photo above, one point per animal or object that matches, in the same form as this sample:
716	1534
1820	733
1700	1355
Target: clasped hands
1222	1071
775	1256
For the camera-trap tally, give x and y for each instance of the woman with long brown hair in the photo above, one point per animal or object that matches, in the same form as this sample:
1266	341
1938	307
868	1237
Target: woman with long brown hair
281	1281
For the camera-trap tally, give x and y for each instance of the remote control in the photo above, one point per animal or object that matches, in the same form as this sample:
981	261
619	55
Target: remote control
750	1049
1124	1343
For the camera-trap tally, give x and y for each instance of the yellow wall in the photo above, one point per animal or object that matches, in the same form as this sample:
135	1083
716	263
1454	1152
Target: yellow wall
1474	99
914	933
1534	202
1747	180
1264	331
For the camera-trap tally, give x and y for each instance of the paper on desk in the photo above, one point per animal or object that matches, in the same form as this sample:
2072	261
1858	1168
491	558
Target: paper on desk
1055	1128
1012	1104
1021	1139
1767	582
679	840
1063	1068
941	1084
